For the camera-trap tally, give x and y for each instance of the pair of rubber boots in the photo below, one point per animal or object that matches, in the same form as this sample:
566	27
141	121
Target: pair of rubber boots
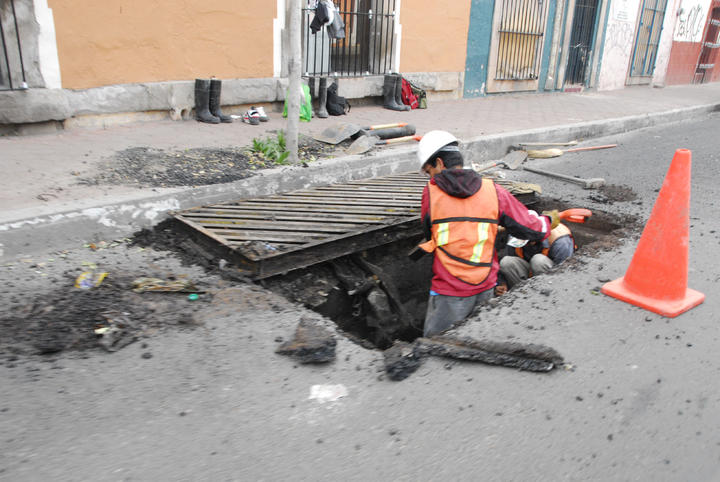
207	101
392	93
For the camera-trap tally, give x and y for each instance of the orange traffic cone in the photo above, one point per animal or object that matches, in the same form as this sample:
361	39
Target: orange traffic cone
656	279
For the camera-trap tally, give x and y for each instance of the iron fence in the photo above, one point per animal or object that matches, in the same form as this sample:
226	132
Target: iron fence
367	44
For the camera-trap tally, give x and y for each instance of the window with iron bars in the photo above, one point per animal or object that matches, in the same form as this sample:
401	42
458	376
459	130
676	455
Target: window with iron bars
365	46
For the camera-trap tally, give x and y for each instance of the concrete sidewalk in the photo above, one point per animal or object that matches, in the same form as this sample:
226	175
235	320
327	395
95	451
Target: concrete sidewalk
42	201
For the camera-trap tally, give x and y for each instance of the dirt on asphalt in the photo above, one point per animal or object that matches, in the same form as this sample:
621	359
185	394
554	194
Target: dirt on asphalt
45	313
151	167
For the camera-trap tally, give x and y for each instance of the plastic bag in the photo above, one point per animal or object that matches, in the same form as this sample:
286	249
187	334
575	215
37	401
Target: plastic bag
305	104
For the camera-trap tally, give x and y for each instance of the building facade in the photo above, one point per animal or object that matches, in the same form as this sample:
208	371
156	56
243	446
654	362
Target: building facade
69	60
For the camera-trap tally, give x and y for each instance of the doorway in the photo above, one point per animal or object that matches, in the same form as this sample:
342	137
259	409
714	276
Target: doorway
581	42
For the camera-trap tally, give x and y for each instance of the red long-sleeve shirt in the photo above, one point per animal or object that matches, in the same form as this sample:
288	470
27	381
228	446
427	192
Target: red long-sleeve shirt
512	214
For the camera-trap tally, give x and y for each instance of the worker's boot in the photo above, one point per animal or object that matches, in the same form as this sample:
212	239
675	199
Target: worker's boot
389	99
202	102
215	88
322	112
398	92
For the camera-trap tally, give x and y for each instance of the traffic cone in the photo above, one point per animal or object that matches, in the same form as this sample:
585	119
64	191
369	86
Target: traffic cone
656	279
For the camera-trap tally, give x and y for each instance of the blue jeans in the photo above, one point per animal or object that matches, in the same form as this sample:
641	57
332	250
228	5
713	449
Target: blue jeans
444	311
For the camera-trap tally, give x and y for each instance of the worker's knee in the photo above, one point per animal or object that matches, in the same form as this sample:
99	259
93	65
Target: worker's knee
515	269
540	264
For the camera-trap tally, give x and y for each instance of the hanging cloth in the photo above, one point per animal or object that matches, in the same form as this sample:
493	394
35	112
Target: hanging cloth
336	26
322	16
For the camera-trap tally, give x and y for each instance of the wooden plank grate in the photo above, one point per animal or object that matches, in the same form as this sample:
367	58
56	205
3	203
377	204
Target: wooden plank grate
275	234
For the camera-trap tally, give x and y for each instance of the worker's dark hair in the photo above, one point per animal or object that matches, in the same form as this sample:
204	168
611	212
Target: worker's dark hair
450	157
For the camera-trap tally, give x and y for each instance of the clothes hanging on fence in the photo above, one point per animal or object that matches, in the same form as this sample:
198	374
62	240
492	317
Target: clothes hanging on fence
328	15
336	28
322	16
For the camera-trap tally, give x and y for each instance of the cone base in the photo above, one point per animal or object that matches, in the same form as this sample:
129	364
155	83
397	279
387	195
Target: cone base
670	308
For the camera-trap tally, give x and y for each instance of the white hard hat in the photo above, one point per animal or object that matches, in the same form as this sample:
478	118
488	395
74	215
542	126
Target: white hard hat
432	142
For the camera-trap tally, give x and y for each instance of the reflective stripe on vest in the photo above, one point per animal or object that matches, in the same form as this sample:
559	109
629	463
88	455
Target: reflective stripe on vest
463	231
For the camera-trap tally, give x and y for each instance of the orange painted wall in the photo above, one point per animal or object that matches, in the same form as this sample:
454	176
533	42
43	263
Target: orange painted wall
104	42
434	35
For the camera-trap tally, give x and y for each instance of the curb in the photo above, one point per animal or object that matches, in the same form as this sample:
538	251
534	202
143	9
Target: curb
120	219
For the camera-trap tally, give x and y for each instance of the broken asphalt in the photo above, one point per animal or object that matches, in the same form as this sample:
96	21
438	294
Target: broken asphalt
211	400
44	203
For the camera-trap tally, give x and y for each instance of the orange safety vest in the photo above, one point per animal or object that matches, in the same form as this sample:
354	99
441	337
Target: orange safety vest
559	231
463	231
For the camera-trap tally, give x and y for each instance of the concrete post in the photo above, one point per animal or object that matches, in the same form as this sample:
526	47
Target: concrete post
293	95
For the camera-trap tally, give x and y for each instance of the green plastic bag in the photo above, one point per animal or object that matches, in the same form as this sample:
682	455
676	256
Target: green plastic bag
305	105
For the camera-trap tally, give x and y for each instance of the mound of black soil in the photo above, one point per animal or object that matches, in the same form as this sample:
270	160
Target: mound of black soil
150	167
67	318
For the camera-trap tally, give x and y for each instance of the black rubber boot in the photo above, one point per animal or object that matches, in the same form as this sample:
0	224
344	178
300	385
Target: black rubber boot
215	88
389	100
202	102
398	93
322	112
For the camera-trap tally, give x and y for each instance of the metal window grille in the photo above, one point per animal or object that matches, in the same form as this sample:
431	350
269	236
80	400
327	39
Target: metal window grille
521	31
648	38
10	63
367	48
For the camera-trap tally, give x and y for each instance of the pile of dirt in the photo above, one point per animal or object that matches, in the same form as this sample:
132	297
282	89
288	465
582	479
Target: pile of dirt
107	316
150	167
612	193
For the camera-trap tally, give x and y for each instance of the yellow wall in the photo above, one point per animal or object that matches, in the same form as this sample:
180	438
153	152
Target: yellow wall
434	35
104	42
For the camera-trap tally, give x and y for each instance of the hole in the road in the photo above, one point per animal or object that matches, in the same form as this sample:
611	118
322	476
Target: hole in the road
379	295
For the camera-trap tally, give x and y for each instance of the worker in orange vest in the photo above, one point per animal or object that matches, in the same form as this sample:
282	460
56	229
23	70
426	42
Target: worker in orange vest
461	213
523	259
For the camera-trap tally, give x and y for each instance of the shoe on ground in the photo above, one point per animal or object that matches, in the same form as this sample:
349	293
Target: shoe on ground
251	117
261	113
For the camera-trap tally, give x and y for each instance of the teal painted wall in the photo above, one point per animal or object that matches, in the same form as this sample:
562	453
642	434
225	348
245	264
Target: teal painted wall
478	47
547	45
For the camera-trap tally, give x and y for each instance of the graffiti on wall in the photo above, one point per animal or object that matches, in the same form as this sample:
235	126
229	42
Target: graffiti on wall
619	36
691	20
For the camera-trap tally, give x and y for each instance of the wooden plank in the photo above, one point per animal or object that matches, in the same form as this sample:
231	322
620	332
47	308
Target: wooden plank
280	216
296	237
327	227
361	194
329	209
404	189
336	201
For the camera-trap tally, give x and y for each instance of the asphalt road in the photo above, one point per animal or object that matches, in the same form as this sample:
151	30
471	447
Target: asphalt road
638	401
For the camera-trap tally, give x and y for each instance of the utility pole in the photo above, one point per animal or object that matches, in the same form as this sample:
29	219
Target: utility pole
293	96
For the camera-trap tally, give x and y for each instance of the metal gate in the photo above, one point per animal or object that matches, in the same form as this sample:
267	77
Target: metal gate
12	65
581	41
646	42
516	48
709	52
367	46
